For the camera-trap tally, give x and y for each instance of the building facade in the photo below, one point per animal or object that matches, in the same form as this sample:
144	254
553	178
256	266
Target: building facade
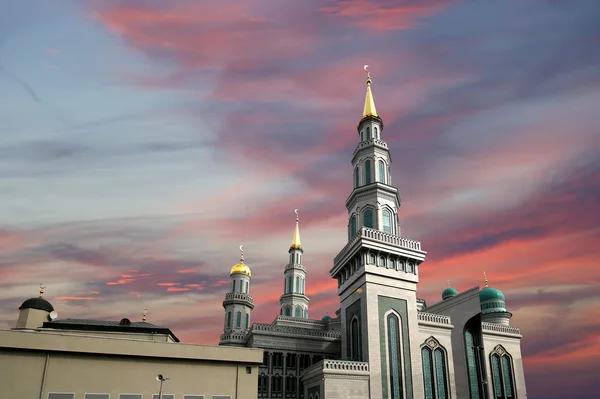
385	342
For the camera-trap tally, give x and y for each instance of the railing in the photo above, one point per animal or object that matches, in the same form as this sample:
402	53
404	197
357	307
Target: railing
233	336
433	318
345	365
295	266
296	330
366	143
379	236
304	321
500	328
238	295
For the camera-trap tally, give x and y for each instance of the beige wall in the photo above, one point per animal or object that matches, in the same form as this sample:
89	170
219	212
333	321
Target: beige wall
35	363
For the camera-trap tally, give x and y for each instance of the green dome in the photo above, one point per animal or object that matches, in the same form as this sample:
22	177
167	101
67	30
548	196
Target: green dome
326	318
449	292
489	294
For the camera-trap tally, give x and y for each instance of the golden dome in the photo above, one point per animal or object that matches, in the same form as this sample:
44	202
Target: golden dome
241	268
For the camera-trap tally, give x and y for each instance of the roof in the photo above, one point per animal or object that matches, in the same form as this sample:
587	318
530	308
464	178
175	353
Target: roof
109	326
37	303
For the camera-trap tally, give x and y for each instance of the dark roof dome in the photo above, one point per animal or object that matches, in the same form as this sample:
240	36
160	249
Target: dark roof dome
37	303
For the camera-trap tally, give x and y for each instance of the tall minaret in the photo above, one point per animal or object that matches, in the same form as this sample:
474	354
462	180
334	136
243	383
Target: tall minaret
238	304
377	271
294	302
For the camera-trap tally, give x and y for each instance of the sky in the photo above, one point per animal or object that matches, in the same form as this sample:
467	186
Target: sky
141	142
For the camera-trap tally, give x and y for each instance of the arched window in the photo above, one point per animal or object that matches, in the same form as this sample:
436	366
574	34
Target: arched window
392	263
298	312
355	340
306	313
368	133
381	261
376	132
502	374
395	355
300	259
297	285
381	177
368	171
228	319
371	259
238	320
290	281
303	281
247	320
352	226
288	311
386	216
356	177
247	286
362	136
233	286
427	373
435	378
472	365
241	286
368	218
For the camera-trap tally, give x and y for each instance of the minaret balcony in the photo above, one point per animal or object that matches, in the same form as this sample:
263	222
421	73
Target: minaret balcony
368	143
295	266
238	298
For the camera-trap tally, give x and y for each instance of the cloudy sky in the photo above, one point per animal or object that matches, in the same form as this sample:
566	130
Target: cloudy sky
141	142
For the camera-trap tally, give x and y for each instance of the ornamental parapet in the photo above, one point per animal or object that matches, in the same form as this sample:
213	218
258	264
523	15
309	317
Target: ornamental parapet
295	266
336	369
433	318
367	143
296	319
234	336
238	296
380	236
499	328
295	331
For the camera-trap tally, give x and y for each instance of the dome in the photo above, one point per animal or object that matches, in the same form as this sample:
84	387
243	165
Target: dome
326	318
449	293
489	293
37	303
241	268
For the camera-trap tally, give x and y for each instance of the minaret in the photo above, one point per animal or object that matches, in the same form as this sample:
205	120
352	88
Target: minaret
238	305
294	302
377	271
493	305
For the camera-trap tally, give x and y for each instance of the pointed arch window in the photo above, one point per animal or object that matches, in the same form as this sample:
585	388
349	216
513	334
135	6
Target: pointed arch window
368	133
395	355
228	319
247	286
381	177
376	132
362	136
352	226
297	285
368	218
356	178
306	313
303	281
238	320
435	378
371	259
502	374
241	286
288	311
247	320
355	340
386	216
290	282
368	171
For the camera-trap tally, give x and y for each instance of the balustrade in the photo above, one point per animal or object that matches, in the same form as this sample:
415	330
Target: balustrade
433	318
500	328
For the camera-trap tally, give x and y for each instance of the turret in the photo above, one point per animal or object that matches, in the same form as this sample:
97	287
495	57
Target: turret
493	305
294	301
34	312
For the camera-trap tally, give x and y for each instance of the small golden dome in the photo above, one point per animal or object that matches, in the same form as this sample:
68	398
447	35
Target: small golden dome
241	268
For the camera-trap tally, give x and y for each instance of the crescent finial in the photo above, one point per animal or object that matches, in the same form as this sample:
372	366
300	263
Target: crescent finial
296	212
42	286
366	68
242	251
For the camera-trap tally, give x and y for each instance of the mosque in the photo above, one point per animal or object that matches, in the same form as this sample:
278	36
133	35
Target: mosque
383	342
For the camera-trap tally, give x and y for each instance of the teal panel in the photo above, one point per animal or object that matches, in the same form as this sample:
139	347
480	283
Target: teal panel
427	376
440	374
507	372
394	349
472	365
351	311
400	306
496	376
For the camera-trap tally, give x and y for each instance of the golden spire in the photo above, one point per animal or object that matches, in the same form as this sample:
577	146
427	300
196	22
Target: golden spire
296	239
485	280
42	286
241	268
369	103
144	315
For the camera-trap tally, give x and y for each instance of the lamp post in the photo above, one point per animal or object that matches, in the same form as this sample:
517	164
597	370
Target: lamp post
162	379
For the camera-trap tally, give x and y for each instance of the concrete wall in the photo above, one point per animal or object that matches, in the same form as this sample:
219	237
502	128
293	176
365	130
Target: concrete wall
36	363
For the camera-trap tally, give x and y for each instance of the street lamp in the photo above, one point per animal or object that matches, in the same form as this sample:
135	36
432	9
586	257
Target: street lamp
162	379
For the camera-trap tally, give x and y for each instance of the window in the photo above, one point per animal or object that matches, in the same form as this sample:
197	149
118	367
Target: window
193	396
288	311
368	133
228	319
352	226
368	219
376	132
300	258
355	340
290	281
238	320
434	370
247	320
128	396
356	178
247	286
387	220
297	284
381	177
392	263
368	171
362	136
58	395
263	386
303	286
381	261
241	286
290	386
164	396
395	355
221	397
472	369
306	313
298	312
502	374
97	396
277	385
233	286
372	259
